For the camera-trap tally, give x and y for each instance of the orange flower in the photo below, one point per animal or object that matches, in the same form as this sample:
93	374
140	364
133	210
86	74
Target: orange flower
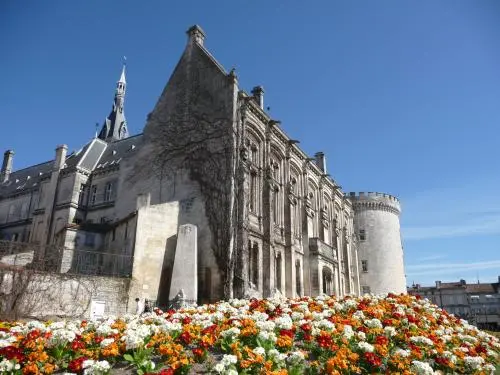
30	368
284	342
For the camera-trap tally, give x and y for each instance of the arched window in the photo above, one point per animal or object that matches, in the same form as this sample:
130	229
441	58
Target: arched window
327	280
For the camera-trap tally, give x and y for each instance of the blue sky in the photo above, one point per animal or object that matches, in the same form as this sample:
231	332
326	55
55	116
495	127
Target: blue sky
402	96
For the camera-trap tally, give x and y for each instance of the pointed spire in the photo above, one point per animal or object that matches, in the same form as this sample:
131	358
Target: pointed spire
115	125
122	77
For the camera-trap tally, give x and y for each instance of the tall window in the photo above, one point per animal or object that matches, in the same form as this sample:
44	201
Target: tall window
108	192
364	265
362	235
365	289
255	265
327	280
276	207
81	195
253	193
278	272
93	194
298	284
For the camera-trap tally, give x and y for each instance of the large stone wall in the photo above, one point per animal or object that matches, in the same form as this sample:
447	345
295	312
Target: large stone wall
63	296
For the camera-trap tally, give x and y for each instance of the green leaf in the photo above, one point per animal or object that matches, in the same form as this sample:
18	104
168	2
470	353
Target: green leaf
128	357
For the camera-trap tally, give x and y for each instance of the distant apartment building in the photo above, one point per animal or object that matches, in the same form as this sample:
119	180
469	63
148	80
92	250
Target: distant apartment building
478	303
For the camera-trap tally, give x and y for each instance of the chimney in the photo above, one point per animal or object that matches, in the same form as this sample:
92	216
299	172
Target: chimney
61	151
8	157
320	160
258	94
438	284
196	34
462	282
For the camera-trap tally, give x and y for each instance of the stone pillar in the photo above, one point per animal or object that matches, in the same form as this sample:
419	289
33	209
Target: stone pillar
185	271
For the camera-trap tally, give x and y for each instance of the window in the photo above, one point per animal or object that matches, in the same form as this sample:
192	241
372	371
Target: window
81	195
113	236
298	284
93	195
364	265
90	239
14	237
362	235
253	188
108	192
365	289
278	272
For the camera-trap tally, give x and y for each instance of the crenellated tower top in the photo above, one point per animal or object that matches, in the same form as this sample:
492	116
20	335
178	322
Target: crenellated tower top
375	201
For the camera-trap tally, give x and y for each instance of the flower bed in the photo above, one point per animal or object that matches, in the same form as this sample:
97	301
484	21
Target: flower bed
390	335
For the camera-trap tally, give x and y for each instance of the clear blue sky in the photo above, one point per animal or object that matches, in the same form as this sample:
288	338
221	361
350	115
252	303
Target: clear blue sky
402	96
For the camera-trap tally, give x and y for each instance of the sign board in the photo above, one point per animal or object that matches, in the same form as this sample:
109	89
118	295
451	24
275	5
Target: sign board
97	309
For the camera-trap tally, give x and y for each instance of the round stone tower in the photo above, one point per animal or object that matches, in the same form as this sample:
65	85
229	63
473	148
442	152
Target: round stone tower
380	249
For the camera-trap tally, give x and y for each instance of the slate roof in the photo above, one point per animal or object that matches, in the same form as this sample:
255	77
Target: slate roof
118	150
95	155
25	178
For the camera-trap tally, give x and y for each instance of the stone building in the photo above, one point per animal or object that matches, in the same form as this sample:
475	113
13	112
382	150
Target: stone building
269	218
478	302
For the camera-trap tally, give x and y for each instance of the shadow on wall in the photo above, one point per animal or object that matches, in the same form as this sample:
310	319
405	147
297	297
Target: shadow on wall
166	271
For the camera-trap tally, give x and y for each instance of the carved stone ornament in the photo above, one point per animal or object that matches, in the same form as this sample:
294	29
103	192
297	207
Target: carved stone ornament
293	199
244	153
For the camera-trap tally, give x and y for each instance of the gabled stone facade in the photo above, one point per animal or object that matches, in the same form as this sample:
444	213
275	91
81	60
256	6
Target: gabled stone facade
210	156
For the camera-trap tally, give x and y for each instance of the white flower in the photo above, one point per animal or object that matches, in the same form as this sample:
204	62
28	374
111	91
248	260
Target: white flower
361	335
373	323
7	366
219	367
107	342
365	347
61	337
259	351
421	368
348	332
473	362
229	359
421	340
267	336
402	352
390	331
230	333
295	357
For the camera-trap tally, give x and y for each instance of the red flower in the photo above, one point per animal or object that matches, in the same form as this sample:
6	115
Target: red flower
324	340
98	339
186	320
76	364
77	344
372	359
381	340
306	327
11	352
185	337
209	329
199	352
287	332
